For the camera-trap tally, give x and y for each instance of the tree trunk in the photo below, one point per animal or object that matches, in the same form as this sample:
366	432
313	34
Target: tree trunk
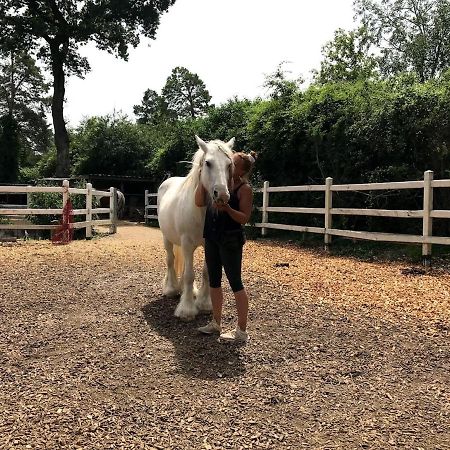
61	136
12	96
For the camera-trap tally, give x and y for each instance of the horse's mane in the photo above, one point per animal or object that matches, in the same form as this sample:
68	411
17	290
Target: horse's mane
197	162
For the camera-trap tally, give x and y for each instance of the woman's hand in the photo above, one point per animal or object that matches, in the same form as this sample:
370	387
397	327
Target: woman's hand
223	207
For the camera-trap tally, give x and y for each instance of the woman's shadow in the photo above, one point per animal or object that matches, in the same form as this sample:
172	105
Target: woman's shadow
198	356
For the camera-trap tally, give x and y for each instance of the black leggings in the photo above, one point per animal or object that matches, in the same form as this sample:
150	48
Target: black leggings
226	253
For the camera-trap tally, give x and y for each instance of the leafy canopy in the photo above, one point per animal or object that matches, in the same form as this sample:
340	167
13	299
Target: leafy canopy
65	25
413	35
186	94
23	92
347	57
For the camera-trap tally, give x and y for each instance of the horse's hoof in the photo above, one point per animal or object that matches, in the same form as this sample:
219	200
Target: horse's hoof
187	318
185	312
204	305
171	293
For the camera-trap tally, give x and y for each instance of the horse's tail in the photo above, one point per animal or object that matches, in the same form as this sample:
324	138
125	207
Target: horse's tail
179	260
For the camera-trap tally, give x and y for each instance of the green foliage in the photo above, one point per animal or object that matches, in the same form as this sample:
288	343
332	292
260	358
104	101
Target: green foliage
44	168
179	145
227	121
347	57
279	85
22	97
110	145
153	110
413	35
55	31
186	94
354	132
112	25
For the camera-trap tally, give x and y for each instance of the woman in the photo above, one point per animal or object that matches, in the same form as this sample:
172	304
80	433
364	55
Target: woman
224	239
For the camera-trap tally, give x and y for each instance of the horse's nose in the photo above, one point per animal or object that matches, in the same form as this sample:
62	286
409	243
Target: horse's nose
221	192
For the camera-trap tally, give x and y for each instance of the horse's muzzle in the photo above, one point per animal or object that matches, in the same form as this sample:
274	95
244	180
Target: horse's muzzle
221	195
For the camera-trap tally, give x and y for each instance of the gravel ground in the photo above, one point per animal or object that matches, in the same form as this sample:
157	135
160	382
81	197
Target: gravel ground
344	354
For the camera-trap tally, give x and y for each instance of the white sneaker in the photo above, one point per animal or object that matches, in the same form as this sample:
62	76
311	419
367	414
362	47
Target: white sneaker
236	335
211	328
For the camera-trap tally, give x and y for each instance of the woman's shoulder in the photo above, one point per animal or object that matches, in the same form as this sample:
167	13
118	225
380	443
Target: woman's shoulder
245	189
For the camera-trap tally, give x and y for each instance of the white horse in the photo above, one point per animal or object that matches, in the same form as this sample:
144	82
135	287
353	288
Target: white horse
181	221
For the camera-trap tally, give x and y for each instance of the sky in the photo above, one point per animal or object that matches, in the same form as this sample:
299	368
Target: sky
231	44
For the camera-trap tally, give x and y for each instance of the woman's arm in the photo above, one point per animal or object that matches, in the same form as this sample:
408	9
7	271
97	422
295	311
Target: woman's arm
245	206
200	195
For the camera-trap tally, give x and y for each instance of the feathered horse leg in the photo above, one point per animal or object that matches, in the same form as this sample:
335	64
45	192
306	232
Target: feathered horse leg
171	287
203	301
187	309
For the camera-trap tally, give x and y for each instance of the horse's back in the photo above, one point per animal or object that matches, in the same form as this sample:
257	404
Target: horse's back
169	184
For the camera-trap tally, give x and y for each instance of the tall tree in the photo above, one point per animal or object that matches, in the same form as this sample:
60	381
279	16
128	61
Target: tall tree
153	109
414	35
56	29
186	94
347	57
23	97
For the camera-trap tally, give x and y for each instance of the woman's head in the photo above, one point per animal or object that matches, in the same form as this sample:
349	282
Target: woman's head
243	164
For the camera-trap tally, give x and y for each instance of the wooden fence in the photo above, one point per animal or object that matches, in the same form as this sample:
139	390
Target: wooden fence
152	206
17	211
427	214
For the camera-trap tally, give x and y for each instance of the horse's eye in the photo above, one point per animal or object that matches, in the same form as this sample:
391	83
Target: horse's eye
208	164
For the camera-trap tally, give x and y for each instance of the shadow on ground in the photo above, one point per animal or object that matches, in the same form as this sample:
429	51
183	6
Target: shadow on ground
197	356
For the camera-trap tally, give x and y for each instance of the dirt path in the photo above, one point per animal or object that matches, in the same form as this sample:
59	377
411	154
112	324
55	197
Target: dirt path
344	354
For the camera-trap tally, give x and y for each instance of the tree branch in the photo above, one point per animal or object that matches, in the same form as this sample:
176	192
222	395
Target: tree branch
33	6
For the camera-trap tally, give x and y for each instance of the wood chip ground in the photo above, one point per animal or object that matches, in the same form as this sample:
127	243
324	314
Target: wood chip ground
344	354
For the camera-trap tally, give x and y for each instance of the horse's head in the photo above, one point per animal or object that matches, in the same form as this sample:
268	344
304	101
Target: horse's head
216	164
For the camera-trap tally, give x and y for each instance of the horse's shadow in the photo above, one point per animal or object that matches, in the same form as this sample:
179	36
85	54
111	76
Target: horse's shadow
197	355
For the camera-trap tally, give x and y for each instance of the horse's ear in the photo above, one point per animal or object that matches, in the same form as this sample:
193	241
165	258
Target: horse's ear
201	143
230	143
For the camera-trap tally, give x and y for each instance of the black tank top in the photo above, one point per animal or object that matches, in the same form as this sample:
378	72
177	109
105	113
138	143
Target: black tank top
218	223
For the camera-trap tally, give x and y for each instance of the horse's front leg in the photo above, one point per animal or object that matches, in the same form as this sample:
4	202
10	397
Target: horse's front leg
187	309
203	301
171	286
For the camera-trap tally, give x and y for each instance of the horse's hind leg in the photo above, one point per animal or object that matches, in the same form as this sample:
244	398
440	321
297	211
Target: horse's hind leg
171	286
187	309
203	301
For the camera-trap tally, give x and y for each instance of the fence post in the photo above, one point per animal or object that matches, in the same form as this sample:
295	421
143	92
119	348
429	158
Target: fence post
113	210
88	210
65	192
146	206
29	196
328	216
427	219
265	205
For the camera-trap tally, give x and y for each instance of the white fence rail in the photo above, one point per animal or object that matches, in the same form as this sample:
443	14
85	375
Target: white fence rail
18	211
427	213
149	196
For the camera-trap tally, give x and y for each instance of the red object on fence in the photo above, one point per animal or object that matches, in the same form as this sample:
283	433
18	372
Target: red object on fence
64	233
